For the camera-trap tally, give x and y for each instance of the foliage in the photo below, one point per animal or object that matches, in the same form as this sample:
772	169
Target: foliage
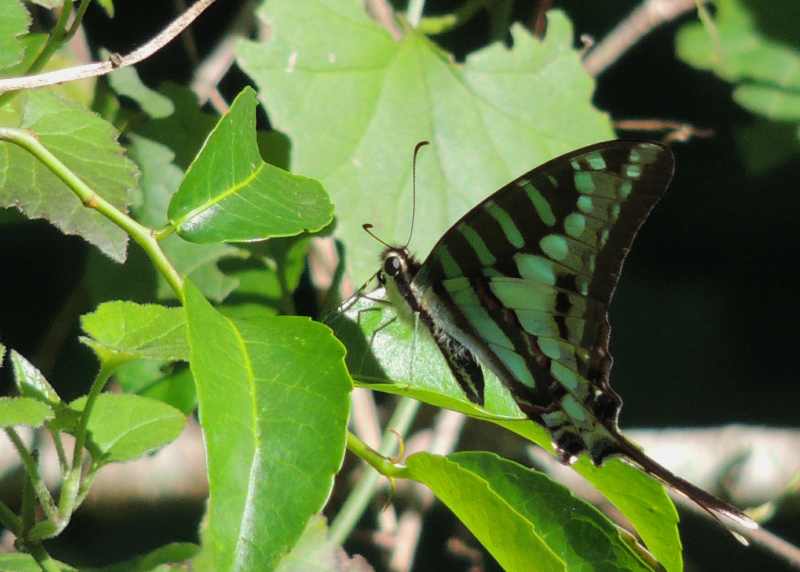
200	241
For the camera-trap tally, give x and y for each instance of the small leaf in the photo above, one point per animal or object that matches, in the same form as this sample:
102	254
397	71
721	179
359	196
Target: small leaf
124	427
159	380
30	381
544	526
23	411
125	331
84	143
274	403
230	194
13	24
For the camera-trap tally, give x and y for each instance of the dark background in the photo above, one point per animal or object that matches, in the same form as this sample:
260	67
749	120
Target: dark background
703	319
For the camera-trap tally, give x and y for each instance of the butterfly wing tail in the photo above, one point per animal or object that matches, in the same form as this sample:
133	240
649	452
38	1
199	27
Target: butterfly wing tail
721	511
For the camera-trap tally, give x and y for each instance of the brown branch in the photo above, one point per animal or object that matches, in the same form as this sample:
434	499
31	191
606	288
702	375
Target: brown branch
643	20
676	130
114	62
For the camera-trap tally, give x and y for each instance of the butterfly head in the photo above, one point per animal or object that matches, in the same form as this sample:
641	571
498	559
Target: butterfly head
396	264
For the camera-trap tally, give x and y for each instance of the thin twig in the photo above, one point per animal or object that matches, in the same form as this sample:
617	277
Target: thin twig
114	62
216	64
445	434
382	12
676	130
643	20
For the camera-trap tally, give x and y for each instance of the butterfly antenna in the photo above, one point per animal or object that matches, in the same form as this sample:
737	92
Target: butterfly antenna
367	227
417	147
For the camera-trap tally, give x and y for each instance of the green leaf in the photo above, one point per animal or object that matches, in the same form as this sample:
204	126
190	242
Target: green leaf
156	560
387	354
160	180
23	411
230	194
757	51
544	526
500	113
30	381
125	81
14	23
767	144
274	403
84	143
124	331
125	427
314	553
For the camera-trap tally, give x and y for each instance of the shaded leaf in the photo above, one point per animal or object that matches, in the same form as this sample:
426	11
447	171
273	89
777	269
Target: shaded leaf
274	403
230	194
501	113
124	427
125	81
758	52
14	24
26	563
88	146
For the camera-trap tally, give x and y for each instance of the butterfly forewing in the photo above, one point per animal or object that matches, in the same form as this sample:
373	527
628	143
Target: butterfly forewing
527	275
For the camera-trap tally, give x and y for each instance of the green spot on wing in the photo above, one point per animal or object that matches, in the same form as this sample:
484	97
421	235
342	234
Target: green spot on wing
540	204
506	223
596	161
477	244
585	204
633	171
535	268
449	265
584	182
555	246
575	224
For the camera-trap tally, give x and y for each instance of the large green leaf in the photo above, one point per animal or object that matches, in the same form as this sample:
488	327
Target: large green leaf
387	354
274	403
355	102
84	143
124	427
544	527
230	194
758	51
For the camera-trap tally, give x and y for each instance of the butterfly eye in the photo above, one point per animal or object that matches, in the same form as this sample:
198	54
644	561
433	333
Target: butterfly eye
392	265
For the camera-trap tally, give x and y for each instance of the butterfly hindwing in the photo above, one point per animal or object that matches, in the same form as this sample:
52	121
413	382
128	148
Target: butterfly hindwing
527	275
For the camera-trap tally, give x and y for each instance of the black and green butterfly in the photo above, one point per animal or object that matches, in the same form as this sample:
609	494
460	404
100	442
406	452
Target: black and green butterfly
522	285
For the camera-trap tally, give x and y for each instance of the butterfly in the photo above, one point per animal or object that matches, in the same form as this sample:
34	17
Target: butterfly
522	285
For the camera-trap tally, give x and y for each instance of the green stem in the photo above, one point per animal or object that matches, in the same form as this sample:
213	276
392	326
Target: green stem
90	199
62	456
76	23
28	509
359	498
43	559
32	470
433	25
9	520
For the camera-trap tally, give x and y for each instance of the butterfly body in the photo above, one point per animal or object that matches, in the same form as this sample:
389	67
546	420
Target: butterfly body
522	284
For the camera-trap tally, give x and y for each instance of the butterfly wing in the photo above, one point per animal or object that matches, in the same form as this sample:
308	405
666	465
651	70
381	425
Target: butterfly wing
525	279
